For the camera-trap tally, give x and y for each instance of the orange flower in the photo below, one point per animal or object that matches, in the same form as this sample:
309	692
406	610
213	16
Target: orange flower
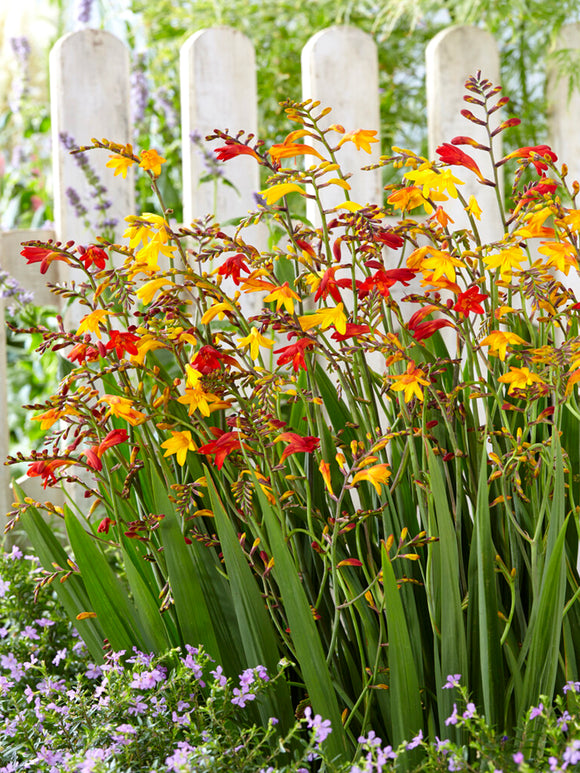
536	154
519	378
410	382
151	161
362	139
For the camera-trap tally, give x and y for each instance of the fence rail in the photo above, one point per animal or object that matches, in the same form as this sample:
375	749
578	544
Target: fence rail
90	97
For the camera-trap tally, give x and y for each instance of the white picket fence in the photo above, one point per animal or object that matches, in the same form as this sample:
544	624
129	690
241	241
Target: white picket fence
90	97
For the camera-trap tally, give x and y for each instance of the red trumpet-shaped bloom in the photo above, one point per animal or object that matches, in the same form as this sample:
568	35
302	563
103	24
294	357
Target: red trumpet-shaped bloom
43	255
224	444
297	444
453	156
294	353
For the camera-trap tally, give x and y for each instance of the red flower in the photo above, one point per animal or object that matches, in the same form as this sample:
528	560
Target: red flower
44	256
82	353
382	280
453	156
122	342
294	353
542	188
225	443
112	438
536	155
329	285
45	469
93	255
390	239
352	331
233	148
470	300
105	525
208	359
422	330
297	444
232	267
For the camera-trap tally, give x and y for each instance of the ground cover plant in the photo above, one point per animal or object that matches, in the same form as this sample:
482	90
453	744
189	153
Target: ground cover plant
177	712
381	491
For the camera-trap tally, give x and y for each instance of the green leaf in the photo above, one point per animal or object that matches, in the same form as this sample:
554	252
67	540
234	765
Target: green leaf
406	711
307	645
483	596
444	588
108	597
257	633
71	593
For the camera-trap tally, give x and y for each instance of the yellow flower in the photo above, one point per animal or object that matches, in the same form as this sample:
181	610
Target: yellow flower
122	407
573	379
121	163
254	340
284	296
506	260
561	255
498	342
362	139
410	382
441	181
216	310
179	444
147	291
325	318
194	396
90	322
146	227
406	199
276	192
473	208
442	264
376	475
146	344
151	161
519	378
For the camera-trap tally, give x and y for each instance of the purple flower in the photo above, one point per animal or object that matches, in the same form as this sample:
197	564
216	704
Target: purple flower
518	758
470	711
454	718
416	741
371	740
29	632
93	671
60	655
574	686
454	763
322	727
571	754
84	11
536	711
218	675
242	697
452	681
44	622
138	707
4	587
562	721
179	758
148	679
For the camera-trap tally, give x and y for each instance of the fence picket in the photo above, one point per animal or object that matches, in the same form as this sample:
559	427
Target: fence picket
452	56
90	97
218	91
340	69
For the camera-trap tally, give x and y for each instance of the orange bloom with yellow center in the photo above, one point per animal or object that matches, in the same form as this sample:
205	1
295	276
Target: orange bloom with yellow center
151	161
122	407
498	342
519	378
410	382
